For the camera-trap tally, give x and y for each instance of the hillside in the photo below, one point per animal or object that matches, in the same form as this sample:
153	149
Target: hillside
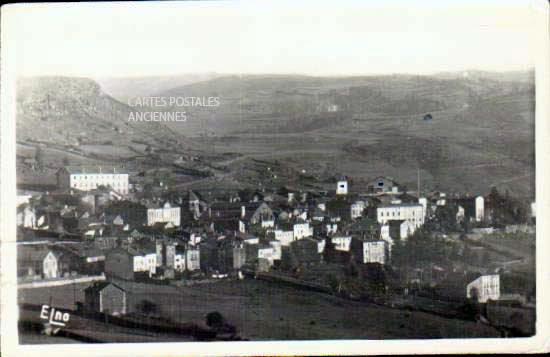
69	111
72	119
481	132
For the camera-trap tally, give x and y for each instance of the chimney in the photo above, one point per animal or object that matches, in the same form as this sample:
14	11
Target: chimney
100	169
243	211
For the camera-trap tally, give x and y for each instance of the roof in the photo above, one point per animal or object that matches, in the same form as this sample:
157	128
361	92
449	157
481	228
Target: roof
400	205
95	170
193	196
100	285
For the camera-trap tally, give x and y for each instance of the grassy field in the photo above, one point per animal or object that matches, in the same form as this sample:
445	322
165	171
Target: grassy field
266	311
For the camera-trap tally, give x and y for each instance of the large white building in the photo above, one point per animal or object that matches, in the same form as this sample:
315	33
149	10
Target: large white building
413	213
374	252
486	287
164	214
90	178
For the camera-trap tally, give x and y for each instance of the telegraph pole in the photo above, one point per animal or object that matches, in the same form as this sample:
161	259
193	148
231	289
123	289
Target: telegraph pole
418	182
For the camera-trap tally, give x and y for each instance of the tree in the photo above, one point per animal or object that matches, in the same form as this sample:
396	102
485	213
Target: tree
214	319
147	307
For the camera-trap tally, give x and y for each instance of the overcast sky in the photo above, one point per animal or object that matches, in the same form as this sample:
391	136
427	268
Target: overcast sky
321	38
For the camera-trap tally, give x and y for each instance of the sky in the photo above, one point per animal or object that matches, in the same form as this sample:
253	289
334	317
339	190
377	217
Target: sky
313	38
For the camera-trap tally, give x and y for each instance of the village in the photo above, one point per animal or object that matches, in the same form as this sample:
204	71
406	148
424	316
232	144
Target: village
467	257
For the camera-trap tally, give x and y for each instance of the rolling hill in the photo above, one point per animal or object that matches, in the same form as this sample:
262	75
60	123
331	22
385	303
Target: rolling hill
481	132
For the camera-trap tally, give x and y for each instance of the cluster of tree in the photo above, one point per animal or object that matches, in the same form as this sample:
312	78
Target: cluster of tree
422	247
505	209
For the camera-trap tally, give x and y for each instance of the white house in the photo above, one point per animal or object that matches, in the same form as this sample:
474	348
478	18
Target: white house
424	202
90	178
302	230
342	187
277	250
480	208
413	213
374	252
193	259
146	262
460	214
266	252
486	287
285	237
26	216
321	243
341	243
188	259
50	266
357	209
164	214
268	223
179	261
332	228
442	200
